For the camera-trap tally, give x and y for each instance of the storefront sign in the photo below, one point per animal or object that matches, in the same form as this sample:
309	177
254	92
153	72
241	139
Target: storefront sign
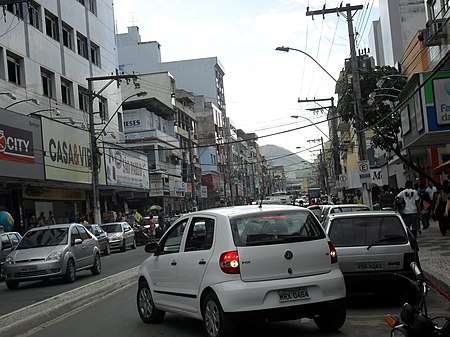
43	193
180	186
204	192
441	89
126	168
20	146
156	185
67	152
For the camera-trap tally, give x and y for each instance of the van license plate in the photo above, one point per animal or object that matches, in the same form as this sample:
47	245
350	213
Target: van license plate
369	266
288	295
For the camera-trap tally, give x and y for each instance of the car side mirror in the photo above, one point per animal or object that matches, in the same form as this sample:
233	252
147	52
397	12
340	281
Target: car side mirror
152	247
77	242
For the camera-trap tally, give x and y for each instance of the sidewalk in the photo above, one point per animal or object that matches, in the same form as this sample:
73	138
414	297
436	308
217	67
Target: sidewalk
434	255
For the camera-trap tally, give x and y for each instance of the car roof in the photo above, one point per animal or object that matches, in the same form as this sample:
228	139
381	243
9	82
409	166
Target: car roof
348	205
64	225
363	213
248	209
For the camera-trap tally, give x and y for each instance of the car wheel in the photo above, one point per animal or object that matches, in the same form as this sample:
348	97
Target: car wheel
133	245
12	285
124	246
146	307
70	274
107	250
97	267
332	320
215	321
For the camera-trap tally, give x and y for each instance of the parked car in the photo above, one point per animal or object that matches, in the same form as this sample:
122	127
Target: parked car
8	241
227	264
101	236
120	235
331	209
52	251
316	210
372	247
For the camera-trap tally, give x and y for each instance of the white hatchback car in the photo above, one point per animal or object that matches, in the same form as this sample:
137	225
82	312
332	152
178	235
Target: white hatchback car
227	264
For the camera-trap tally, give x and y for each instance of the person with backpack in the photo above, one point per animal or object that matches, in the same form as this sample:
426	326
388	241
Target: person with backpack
410	211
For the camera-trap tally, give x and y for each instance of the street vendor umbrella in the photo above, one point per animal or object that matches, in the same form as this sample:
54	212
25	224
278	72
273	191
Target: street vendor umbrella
155	208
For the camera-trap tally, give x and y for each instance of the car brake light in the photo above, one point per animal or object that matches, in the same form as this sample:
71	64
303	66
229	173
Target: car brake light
229	262
333	253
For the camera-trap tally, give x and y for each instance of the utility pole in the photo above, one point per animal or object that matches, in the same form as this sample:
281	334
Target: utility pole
323	164
95	153
192	170
359	115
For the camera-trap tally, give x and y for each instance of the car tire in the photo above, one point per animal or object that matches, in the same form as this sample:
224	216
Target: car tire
133	245
332	320
107	250
12	285
124	246
70	274
215	321
146	308
97	267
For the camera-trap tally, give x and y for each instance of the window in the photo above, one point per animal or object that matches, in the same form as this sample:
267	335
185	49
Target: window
15	71
81	2
200	235
51	25
48	80
93	6
83	99
67	33
74	234
82	45
83	233
172	241
16	9
103	109
95	54
34	15
14	239
120	121
66	91
5	242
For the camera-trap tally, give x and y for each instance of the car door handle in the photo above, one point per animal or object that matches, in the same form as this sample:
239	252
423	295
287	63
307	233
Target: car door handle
173	263
202	262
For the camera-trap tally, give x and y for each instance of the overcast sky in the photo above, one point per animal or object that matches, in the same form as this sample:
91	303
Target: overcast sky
262	85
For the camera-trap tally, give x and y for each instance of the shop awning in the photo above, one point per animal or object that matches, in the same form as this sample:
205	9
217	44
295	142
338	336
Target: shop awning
444	167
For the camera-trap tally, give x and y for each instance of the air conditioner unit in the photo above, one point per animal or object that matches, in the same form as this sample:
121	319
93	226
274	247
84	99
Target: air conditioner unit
435	31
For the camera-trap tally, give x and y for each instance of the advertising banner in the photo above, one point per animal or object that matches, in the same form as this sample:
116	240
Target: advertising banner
21	154
156	185
67	153
126	168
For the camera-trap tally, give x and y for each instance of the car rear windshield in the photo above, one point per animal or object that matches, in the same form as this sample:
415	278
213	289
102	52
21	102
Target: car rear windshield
44	238
113	228
367	230
349	209
275	228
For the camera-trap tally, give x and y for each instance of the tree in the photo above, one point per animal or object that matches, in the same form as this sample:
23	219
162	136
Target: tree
380	88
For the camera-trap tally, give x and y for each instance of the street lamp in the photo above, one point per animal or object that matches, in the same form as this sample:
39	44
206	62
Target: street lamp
287	49
10	95
52	110
34	100
312	123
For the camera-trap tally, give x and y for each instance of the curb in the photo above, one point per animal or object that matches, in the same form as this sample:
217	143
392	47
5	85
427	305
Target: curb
25	319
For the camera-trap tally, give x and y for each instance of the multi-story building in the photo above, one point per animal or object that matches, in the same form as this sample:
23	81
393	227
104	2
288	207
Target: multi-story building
47	52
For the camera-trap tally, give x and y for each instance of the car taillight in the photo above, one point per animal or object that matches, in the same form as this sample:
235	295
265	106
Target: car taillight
333	254
229	262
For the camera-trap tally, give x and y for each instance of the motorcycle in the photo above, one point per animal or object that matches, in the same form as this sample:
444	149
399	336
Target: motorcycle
141	235
414	320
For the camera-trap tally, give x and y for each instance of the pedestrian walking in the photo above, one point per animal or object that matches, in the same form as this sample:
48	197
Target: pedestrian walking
425	210
410	211
51	218
441	206
41	220
386	198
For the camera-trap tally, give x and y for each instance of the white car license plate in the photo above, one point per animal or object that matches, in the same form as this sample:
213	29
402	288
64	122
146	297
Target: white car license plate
369	266
295	294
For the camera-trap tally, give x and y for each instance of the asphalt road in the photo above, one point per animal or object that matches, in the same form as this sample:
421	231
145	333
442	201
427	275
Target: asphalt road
116	316
32	292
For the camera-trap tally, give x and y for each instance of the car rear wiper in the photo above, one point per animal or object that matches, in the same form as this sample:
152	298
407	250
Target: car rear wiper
391	238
